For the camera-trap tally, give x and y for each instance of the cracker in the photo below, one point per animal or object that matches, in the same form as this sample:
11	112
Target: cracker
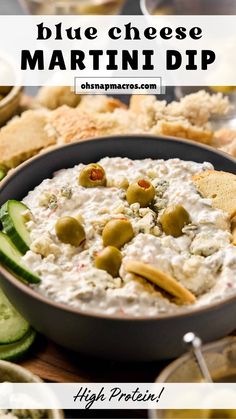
139	103
220	187
183	129
233	230
73	125
23	137
147	286
162	280
162	122
225	140
51	97
100	104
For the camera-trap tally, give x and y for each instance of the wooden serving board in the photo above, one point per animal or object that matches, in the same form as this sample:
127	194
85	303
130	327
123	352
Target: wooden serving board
53	363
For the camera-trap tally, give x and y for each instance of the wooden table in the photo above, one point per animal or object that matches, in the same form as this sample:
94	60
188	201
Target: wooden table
56	364
53	363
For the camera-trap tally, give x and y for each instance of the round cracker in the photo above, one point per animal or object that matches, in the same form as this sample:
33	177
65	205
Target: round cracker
233	230
162	280
220	187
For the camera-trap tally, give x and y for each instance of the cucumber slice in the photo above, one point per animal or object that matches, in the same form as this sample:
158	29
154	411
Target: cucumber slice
11	257
12	326
11	216
15	350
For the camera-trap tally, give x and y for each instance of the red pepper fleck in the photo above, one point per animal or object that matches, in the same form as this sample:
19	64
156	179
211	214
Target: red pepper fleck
52	212
143	183
80	266
121	311
96	174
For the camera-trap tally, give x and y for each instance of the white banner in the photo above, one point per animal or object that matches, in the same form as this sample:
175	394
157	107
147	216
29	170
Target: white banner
118	396
181	50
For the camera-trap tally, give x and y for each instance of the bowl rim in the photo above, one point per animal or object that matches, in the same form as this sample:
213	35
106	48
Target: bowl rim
15	368
10	96
26	374
210	347
16	88
143	7
26	288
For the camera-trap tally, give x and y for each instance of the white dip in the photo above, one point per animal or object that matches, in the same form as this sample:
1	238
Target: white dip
202	259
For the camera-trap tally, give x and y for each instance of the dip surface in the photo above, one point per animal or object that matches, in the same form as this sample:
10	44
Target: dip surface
202	259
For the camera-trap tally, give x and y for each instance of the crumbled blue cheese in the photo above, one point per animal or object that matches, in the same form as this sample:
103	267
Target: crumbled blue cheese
66	191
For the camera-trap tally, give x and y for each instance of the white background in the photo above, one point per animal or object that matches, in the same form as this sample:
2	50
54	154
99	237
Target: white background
219	34
174	396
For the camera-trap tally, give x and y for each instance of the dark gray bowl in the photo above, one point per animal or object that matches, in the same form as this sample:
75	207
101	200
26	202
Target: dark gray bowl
106	336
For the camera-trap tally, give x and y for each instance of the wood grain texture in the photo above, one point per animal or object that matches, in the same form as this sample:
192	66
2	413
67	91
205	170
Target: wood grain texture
54	363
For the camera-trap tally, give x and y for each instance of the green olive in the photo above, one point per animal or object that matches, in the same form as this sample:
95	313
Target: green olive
141	191
109	259
174	219
70	231
117	232
92	175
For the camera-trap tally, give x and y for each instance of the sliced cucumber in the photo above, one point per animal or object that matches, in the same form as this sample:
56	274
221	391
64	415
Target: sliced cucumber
12	218
12	325
11	257
16	350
